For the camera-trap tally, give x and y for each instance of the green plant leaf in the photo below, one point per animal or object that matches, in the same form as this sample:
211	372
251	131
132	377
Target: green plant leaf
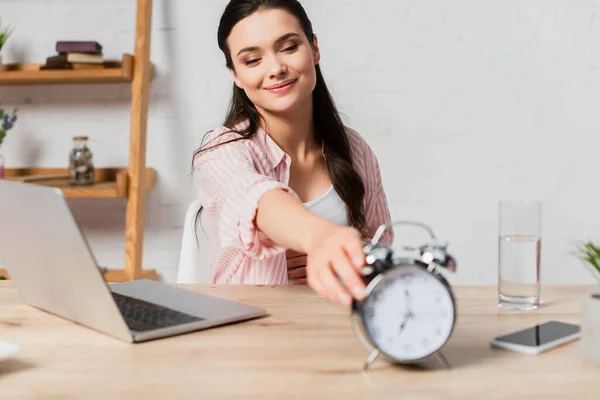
589	253
4	34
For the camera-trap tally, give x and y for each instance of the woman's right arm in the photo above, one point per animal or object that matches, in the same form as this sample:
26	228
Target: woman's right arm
263	217
332	250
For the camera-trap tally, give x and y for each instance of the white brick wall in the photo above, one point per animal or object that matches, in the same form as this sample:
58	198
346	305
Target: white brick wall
464	102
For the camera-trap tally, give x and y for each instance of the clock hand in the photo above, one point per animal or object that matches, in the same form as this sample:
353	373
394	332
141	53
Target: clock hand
403	324
408	314
407	296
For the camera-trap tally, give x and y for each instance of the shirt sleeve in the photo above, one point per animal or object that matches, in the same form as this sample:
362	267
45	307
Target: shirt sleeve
228	177
376	208
377	211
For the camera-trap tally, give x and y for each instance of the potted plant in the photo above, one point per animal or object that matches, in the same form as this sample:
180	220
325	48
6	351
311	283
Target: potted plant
7	122
589	254
4	35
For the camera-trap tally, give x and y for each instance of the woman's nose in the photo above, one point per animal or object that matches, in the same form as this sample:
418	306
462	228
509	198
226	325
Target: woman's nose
278	68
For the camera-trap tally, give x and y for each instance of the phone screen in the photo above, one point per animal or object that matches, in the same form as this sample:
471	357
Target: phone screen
540	334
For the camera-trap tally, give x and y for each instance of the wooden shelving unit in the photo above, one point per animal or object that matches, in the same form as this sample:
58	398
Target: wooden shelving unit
30	74
131	182
109	182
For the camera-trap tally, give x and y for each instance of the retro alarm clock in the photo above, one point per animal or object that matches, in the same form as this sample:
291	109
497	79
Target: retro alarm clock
409	311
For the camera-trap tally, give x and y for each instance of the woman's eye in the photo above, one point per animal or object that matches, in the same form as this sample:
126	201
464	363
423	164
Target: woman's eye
251	62
291	47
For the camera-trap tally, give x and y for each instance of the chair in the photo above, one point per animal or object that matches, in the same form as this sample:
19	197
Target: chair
194	256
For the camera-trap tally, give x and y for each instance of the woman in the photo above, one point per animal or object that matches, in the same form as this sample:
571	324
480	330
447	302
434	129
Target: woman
284	173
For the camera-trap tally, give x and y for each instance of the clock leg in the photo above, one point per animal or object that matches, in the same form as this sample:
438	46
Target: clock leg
442	360
374	354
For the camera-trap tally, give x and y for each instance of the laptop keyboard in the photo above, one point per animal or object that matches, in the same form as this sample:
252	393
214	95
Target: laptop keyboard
142	316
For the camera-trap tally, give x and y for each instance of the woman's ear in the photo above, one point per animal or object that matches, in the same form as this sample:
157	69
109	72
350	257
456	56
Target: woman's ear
316	52
235	78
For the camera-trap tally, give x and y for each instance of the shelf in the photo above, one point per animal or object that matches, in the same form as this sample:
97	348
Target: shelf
110	275
110	182
29	74
119	275
130	182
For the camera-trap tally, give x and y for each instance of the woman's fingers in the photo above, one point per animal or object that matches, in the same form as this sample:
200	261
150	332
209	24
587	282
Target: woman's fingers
335	291
354	249
334	263
299	261
297	273
344	268
313	278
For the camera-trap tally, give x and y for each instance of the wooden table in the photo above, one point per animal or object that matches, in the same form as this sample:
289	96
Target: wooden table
305	348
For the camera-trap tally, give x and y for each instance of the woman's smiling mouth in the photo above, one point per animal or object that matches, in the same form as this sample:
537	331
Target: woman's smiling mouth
282	87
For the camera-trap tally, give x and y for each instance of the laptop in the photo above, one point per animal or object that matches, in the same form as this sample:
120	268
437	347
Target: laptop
53	268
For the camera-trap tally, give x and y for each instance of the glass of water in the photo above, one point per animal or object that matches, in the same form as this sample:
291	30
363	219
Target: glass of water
519	246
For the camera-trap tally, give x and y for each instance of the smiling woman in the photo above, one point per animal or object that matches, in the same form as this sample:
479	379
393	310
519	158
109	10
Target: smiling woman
283	175
275	72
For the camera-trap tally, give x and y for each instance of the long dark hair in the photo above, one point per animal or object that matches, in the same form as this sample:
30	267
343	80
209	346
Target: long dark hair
329	129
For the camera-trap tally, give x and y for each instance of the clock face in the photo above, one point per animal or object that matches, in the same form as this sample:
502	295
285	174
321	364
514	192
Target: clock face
409	314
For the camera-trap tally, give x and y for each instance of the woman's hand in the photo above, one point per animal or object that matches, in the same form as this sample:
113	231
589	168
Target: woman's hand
296	265
336	251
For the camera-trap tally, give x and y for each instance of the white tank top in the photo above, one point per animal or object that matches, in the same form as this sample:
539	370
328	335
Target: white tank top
329	206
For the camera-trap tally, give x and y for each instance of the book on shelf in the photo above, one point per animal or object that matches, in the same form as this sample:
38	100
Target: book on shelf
73	46
79	58
74	61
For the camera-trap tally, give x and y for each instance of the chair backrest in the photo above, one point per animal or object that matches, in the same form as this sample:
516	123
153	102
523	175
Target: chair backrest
194	255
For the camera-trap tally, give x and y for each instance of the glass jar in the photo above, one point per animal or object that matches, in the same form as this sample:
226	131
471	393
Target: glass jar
81	168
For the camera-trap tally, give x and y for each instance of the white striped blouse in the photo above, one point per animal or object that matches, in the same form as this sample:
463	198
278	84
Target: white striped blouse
234	176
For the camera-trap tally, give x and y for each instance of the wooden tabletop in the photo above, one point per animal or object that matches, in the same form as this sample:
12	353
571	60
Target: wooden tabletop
305	348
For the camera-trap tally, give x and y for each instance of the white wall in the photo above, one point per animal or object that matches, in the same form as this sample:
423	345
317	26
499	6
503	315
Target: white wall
464	102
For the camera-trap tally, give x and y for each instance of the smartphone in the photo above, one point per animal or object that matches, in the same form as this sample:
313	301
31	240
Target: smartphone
538	338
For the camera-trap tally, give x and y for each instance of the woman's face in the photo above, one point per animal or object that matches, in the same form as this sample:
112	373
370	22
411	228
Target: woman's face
273	60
